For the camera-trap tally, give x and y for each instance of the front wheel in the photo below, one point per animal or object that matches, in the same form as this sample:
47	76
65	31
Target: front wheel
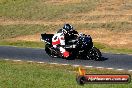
95	54
49	50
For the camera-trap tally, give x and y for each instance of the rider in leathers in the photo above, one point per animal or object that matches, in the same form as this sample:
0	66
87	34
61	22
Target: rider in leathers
61	38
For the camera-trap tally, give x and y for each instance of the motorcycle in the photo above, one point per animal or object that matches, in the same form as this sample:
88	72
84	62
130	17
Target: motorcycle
82	47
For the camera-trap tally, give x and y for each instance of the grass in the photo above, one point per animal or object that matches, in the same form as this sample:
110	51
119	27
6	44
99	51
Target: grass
112	26
31	44
11	31
39	9
52	11
109	49
33	75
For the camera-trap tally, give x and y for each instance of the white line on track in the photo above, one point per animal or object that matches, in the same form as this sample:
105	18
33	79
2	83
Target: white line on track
64	64
6	59
75	65
88	66
53	63
130	70
109	68
30	61
119	69
40	62
17	60
99	67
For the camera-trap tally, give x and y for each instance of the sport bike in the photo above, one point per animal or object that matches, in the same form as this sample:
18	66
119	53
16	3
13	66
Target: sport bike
81	47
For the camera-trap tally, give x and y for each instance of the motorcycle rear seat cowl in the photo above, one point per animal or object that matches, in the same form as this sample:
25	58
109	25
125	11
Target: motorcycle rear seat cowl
47	37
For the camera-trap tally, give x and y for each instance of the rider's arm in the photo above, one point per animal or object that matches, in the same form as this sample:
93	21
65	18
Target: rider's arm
62	39
75	32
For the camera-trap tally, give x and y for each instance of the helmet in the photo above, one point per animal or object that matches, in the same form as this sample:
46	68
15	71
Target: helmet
68	27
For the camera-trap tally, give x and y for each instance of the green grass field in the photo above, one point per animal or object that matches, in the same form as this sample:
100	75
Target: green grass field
112	26
39	9
31	44
12	31
57	10
27	44
33	75
91	16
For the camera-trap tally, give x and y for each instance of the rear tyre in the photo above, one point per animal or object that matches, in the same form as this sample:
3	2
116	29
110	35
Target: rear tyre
95	54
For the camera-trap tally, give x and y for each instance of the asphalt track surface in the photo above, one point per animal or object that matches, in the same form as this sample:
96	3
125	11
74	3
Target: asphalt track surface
116	61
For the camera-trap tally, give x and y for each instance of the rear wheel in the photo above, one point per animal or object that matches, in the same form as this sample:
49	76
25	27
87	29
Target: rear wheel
95	54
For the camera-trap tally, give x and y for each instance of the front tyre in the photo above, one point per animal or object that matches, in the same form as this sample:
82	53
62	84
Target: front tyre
95	54
49	51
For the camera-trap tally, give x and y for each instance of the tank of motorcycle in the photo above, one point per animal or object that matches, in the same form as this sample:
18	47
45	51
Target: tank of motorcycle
86	41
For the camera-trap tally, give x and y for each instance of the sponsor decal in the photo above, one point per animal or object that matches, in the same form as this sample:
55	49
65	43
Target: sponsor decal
83	78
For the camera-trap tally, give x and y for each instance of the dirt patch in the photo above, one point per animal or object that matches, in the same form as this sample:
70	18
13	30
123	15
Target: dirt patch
15	22
59	22
35	37
113	39
122	8
106	11
61	2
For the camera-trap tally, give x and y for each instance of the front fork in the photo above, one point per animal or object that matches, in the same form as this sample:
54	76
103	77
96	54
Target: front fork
56	52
